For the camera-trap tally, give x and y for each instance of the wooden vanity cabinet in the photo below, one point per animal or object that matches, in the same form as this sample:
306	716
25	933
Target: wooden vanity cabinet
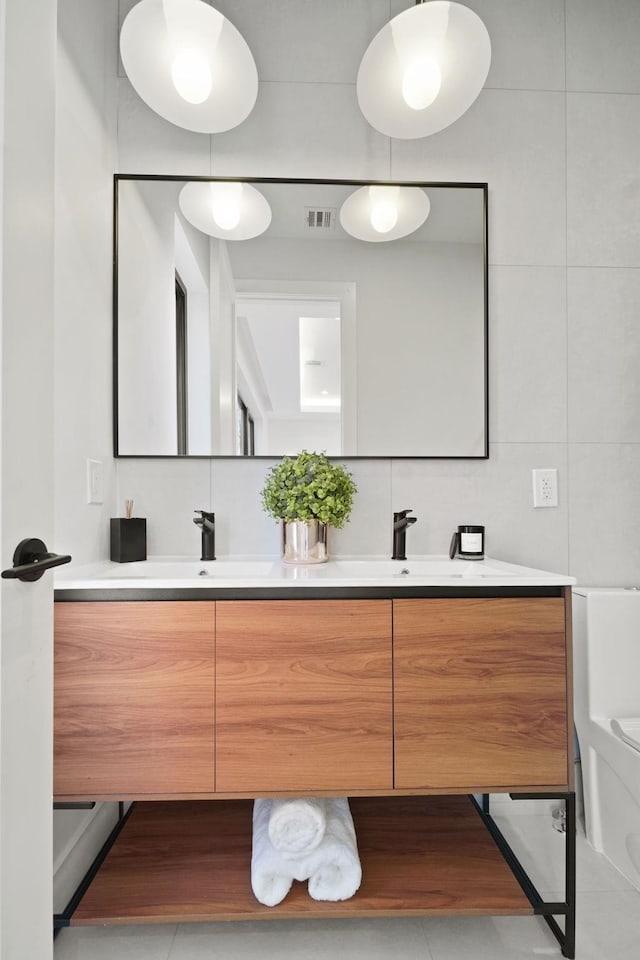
303	696
250	697
206	704
481	694
133	699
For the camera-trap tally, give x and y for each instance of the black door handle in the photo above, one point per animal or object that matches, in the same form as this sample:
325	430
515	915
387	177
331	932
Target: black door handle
31	559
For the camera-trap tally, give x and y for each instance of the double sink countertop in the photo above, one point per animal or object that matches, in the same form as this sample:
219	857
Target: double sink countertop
265	578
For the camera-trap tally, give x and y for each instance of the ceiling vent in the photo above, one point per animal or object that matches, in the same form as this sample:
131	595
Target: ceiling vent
320	218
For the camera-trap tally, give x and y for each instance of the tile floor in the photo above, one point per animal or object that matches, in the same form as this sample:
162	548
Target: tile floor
608	921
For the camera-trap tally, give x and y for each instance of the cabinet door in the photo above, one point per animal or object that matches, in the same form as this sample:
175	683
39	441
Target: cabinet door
480	693
133	698
303	695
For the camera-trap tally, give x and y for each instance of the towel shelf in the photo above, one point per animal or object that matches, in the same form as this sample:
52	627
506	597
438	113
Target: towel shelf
202	872
214	839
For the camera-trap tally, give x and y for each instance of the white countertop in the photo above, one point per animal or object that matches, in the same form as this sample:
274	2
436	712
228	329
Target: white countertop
236	573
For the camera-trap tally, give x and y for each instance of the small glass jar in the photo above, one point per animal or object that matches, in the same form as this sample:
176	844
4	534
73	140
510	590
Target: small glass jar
471	542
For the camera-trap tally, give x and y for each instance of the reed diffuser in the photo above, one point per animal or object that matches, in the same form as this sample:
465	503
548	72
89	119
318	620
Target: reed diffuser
128	536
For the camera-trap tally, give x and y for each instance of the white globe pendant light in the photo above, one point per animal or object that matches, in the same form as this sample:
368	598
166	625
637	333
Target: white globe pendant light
383	212
227	209
424	69
189	64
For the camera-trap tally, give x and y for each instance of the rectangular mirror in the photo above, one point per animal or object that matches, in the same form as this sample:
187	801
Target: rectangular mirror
338	316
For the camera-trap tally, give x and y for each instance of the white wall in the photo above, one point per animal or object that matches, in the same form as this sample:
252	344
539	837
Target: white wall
85	164
85	118
556	135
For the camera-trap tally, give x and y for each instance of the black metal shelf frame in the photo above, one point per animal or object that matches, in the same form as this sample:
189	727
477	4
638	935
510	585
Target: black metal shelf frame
63	919
548	910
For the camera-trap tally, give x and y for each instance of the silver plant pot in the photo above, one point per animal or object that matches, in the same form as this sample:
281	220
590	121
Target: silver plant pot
304	541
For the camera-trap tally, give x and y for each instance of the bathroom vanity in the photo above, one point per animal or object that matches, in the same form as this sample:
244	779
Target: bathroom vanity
407	686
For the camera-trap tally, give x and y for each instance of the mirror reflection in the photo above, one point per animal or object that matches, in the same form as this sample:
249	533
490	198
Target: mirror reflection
258	318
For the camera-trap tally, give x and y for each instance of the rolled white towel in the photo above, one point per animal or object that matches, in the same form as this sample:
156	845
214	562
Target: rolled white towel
271	877
337	873
296	827
333	868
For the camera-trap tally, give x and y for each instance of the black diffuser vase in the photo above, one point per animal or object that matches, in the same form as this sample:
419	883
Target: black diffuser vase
128	537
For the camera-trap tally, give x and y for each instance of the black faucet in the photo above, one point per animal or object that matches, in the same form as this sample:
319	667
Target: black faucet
400	523
207	521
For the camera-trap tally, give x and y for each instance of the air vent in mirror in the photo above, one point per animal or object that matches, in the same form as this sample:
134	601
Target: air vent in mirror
320	219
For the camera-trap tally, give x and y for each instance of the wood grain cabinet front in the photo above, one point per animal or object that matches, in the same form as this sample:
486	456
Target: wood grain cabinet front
481	693
303	696
134	699
310	696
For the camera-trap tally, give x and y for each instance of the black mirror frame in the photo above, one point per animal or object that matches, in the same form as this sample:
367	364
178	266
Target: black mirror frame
481	185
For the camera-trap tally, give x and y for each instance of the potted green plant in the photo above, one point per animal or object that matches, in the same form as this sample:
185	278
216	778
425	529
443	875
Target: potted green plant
308	494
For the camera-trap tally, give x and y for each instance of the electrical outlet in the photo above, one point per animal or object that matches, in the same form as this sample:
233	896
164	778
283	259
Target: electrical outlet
95	481
545	488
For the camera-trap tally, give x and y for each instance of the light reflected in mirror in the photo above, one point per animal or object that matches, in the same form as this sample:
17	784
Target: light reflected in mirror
303	336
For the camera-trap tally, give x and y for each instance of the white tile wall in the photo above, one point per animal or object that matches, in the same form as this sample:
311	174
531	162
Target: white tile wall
604	355
242	527
527	42
515	140
562	159
603	184
303	129
496	493
324	42
85	157
369	531
605	513
528	354
149	144
602	46
166	492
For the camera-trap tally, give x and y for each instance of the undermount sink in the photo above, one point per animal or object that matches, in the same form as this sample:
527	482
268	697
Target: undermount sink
424	567
347	570
188	569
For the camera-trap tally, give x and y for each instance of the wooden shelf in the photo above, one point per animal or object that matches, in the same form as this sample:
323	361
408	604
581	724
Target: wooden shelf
189	861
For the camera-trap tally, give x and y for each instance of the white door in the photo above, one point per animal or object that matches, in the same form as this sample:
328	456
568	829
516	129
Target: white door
27	91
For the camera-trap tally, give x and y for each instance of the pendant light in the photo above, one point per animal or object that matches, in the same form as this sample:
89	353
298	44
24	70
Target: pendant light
383	212
189	64
227	209
424	69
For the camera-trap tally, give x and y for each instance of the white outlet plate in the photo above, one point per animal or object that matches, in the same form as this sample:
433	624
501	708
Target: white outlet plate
545	488
95	481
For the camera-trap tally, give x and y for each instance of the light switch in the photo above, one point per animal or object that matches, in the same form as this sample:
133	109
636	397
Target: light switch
95	481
